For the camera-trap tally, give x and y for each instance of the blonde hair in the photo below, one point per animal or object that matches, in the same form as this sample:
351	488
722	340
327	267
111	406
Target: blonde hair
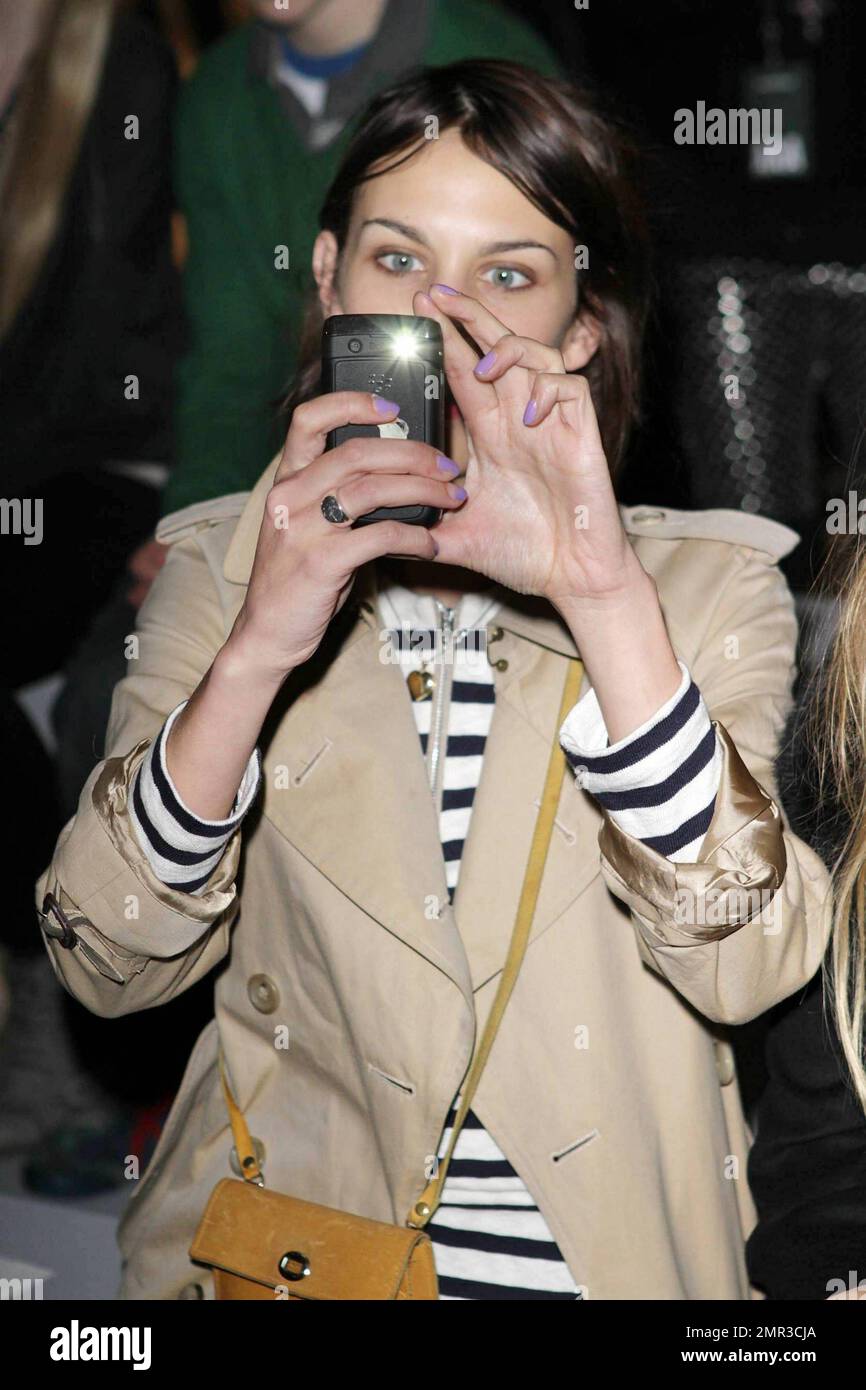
44	138
838	737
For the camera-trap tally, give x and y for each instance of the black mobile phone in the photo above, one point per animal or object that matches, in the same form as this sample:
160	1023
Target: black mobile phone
401	358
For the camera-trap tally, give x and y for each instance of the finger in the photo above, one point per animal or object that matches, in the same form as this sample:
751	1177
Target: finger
360	456
471	395
366	493
483	325
513	351
313	420
572	395
395	538
328	474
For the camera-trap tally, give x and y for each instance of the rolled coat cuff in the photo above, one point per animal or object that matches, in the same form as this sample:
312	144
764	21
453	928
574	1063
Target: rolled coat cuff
742	865
659	782
147	918
183	848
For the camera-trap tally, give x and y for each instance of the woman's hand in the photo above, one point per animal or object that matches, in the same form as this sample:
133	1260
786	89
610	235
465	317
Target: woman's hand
304	565
144	565
541	516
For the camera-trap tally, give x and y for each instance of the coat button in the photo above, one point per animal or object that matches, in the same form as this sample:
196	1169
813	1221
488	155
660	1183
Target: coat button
725	1064
191	1291
647	516
263	993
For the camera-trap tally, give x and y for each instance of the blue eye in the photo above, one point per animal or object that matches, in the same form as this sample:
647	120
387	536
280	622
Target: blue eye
402	262
505	278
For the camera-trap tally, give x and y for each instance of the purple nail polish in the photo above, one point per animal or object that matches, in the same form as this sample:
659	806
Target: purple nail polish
446	289
530	413
385	407
485	364
447	465
459	492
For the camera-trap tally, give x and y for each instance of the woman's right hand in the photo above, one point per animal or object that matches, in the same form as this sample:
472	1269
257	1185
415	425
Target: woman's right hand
304	566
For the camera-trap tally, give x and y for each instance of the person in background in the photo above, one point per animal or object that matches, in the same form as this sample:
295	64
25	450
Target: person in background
808	1166
89	328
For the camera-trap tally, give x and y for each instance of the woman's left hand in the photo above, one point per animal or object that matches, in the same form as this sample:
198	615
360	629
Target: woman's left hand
541	516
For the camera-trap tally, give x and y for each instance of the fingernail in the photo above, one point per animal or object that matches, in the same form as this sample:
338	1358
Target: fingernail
385	407
530	413
446	289
447	465
456	491
485	364
435	545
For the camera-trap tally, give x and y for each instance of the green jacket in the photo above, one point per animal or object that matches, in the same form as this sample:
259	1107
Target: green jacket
247	186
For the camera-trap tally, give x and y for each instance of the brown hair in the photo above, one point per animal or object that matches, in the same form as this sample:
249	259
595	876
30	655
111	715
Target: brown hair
46	128
573	164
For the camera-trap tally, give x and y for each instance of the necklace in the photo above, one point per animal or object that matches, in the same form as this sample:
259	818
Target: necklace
422	682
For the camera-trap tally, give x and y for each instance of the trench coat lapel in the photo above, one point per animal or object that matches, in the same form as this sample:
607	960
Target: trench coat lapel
354	798
537	648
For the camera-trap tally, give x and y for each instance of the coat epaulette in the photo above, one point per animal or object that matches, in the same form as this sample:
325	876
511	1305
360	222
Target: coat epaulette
759	533
196	517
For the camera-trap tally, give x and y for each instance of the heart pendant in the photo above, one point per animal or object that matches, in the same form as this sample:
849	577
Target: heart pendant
421	685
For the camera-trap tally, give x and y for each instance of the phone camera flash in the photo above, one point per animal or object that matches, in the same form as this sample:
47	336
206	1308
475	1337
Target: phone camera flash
405	344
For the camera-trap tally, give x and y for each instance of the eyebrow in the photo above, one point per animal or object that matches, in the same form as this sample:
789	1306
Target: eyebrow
492	248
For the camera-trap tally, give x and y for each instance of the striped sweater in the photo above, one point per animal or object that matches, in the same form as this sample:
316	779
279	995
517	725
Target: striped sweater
659	784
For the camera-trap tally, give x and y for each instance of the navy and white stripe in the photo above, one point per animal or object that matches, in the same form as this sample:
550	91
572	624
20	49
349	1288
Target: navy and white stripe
489	1238
183	849
659	783
490	1241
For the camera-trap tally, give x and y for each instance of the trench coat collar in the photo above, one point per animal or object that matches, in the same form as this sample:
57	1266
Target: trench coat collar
364	815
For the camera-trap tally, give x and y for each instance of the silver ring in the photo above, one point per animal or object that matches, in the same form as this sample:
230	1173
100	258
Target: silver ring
332	511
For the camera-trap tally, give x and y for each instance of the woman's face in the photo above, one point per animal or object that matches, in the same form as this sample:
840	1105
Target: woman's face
447	216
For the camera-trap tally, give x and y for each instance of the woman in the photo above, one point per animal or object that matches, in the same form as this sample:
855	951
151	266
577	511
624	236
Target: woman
89	325
808	1166
605	1158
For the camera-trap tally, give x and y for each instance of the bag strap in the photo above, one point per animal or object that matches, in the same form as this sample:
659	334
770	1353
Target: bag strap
427	1203
248	1159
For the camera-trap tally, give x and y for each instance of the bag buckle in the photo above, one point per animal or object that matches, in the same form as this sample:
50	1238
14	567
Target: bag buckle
238	1168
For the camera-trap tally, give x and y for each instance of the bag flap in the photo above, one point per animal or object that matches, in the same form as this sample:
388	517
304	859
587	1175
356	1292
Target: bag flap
246	1230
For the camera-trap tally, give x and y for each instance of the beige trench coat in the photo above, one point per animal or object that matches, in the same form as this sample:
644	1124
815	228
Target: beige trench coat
611	1085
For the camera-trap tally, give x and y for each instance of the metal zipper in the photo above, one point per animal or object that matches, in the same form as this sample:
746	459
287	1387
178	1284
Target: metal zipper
445	626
